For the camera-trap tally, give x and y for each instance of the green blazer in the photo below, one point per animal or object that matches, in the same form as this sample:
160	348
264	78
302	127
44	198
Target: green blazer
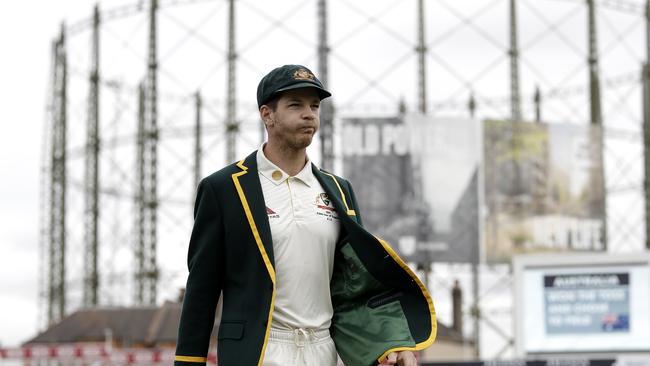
379	304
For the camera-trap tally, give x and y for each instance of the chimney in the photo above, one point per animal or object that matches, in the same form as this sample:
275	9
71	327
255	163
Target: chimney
457	307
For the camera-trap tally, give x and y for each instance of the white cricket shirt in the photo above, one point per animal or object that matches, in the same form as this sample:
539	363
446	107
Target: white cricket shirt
304	229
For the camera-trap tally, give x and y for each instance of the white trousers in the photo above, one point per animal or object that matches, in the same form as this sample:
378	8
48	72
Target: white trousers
300	347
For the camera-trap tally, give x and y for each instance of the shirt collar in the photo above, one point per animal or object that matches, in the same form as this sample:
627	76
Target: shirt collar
276	175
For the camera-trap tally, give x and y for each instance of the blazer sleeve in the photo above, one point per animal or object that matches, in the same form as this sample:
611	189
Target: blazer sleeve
203	287
355	205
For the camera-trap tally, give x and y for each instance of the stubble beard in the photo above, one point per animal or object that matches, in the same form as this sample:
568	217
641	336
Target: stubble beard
296	139
299	142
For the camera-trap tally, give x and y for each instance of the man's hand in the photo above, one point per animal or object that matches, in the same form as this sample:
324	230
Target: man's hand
402	358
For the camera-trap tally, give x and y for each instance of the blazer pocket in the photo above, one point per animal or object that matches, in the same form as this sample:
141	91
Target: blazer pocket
231	330
384	298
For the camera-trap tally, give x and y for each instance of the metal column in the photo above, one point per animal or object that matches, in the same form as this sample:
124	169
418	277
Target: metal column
57	238
327	108
537	99
598	202
647	31
232	127
594	80
44	264
645	77
515	102
471	105
197	140
422	52
140	196
152	121
147	271
91	184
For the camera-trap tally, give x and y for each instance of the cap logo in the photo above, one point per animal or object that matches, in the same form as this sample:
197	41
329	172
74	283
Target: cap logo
303	74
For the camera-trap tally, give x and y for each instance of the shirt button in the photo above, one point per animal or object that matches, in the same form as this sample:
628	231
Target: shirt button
277	175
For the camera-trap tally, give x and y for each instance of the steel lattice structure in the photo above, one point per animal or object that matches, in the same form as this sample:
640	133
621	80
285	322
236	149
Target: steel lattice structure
149	96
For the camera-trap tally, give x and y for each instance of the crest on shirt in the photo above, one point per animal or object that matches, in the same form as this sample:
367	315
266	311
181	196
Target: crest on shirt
325	207
324	202
324	198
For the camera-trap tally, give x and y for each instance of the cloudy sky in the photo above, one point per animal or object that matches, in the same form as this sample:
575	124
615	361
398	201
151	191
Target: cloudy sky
27	29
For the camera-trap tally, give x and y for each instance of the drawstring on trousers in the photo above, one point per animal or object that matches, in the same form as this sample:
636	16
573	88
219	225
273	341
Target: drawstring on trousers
307	335
300	347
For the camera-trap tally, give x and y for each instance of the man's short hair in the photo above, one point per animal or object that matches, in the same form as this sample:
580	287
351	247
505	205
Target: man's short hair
273	102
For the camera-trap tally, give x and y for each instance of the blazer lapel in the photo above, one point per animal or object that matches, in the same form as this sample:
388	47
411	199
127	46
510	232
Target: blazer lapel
252	193
335	192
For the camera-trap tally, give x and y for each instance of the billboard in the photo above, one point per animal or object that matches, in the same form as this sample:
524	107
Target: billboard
543	189
579	303
417	182
422	182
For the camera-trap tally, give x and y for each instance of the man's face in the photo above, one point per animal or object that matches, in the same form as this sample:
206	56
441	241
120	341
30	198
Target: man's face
295	121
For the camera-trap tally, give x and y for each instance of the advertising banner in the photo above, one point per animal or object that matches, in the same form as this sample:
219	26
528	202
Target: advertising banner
421	183
417	181
543	189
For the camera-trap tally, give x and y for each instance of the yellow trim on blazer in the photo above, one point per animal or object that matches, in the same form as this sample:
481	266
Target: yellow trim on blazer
345	202
260	246
241	165
190	359
432	311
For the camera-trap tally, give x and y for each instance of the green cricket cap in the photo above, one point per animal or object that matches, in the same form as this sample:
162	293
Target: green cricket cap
288	77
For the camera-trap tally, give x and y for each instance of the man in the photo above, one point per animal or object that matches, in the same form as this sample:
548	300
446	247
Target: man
302	280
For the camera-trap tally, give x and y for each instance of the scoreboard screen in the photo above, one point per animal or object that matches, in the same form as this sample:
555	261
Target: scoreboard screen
597	303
